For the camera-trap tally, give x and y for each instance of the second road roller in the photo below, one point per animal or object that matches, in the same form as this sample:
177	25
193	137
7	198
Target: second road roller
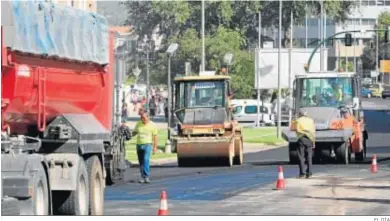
206	132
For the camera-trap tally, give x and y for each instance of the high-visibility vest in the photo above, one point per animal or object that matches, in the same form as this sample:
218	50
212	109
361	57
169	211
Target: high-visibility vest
305	126
339	95
348	122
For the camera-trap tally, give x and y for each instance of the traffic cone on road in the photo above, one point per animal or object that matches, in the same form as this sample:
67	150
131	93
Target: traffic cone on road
374	167
280	182
163	211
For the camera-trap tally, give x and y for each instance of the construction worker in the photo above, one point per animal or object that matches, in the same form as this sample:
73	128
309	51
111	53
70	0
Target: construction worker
146	132
338	93
349	119
306	140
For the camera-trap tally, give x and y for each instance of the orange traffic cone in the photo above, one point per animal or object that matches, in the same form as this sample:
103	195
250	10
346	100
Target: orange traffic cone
374	167
163	211
280	182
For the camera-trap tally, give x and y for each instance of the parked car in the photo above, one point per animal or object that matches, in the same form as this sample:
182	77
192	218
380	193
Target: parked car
366	92
376	89
367	81
245	111
386	92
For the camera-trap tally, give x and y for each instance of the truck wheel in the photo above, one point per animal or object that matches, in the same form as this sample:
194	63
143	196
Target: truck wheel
344	154
110	177
40	196
96	186
114	174
293	154
239	158
75	202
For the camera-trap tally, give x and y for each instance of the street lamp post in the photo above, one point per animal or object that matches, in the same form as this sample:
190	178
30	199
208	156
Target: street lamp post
203	40
257	72
279	133
322	36
377	52
171	51
145	46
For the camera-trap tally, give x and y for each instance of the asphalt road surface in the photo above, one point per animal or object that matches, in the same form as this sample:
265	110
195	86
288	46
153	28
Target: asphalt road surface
220	191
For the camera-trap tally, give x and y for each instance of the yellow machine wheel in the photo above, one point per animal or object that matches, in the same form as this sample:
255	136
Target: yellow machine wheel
239	151
228	161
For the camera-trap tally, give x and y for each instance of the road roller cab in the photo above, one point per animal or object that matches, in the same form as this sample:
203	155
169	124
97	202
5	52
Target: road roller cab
206	132
326	96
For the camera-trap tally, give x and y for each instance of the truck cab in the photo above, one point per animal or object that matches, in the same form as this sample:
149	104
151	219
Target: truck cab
323	95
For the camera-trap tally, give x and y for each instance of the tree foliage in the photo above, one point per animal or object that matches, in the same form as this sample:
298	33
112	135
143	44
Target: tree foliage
369	52
230	27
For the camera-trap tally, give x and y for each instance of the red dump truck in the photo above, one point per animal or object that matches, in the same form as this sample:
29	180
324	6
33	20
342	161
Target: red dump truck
61	139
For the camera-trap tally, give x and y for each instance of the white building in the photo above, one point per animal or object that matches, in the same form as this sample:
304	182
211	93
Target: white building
89	5
363	18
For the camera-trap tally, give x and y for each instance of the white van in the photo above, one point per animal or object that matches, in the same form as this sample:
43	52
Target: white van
245	111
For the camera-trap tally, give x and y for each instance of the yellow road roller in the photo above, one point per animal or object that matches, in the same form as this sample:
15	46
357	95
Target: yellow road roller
206	132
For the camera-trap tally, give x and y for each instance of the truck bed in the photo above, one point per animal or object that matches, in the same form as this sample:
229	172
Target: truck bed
44	28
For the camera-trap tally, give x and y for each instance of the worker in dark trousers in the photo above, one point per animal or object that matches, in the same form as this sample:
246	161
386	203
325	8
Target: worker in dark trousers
306	140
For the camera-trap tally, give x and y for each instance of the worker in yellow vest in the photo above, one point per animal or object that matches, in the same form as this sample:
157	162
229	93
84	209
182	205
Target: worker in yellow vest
338	92
306	141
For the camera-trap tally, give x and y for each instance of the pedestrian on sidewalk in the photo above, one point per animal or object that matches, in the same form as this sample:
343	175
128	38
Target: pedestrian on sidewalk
152	107
306	141
124	111
146	132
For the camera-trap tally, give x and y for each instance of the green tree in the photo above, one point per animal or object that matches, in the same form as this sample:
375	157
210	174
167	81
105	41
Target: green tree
335	10
231	27
369	52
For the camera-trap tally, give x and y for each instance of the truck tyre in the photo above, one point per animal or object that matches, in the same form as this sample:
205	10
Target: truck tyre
114	174
343	153
74	202
293	154
40	193
10	206
96	186
239	158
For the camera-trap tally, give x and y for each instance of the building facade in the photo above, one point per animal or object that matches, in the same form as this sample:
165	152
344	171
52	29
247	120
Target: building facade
88	5
364	17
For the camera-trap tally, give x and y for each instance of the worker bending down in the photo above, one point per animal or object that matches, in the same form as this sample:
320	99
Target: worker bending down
306	140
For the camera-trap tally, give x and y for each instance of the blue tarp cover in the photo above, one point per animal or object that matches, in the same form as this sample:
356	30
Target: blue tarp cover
45	28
